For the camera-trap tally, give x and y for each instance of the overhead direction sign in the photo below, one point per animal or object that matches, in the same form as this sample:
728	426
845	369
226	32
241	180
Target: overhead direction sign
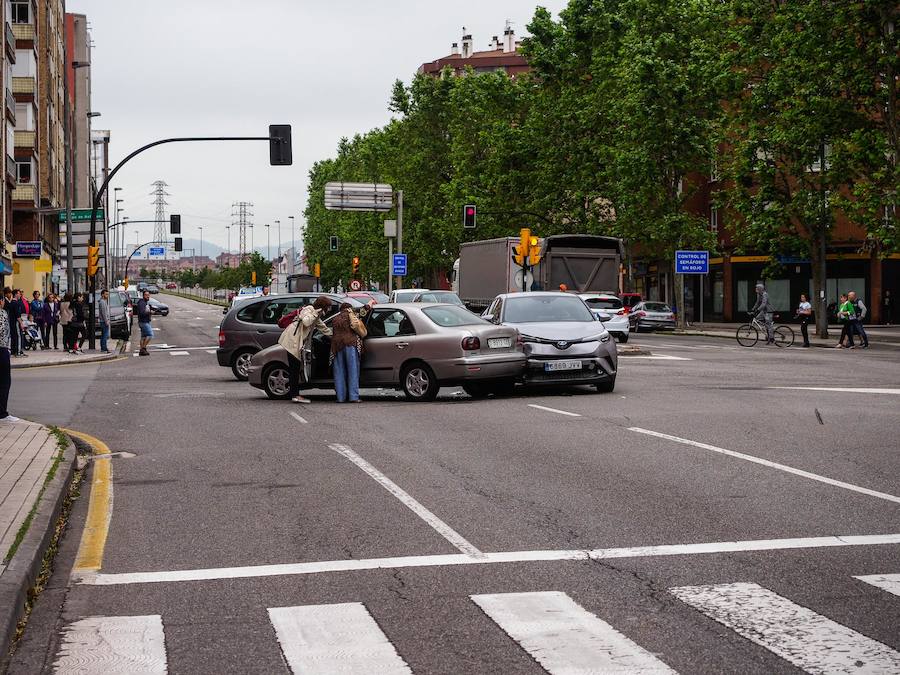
81	215
399	265
691	262
156	252
359	197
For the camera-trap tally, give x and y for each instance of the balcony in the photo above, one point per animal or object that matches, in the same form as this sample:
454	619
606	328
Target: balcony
10	170
25	193
10	108
10	44
24	86
25	139
23	31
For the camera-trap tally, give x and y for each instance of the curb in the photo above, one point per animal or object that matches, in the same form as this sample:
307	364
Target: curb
98	358
24	568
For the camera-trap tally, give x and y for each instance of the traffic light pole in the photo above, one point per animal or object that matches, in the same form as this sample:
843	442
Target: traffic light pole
98	196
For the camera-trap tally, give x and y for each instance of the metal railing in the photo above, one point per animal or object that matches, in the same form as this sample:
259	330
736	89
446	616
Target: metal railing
25	193
24	139
10	43
23	31
11	106
11	168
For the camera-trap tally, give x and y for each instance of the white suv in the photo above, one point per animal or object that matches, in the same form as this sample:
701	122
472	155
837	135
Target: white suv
611	311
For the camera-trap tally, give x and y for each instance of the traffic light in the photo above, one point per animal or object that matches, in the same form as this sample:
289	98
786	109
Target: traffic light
317	270
179	243
93	260
125	283
280	145
521	251
470	212
253	277
332	243
175	224
355	266
534	251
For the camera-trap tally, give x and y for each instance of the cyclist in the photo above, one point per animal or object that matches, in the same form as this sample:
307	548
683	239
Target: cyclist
764	311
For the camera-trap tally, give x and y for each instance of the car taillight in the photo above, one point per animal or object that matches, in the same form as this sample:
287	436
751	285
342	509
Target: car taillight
641	313
221	338
471	344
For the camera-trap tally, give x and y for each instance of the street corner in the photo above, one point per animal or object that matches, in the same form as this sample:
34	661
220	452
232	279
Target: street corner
41	468
633	350
48	358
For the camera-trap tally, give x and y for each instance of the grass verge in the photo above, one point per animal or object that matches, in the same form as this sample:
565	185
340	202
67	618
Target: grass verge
206	301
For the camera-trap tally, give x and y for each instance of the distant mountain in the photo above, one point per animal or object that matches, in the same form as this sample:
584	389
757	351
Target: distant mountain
214	250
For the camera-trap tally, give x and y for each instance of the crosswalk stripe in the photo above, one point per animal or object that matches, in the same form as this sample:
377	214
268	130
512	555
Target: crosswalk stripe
799	635
886	582
341	638
564	637
113	644
180	353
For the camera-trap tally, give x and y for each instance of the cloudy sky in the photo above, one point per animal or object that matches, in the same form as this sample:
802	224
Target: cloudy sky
221	67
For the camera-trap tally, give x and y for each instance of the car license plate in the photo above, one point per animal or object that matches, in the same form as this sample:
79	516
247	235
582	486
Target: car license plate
562	365
499	343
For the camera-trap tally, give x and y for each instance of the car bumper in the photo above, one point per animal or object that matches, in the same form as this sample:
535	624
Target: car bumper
653	324
593	370
617	326
487	367
223	356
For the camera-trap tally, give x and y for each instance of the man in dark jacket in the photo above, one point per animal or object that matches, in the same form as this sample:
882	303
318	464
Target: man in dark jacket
143	314
14	310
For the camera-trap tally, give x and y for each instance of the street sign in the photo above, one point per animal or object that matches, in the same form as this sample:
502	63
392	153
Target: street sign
390	228
157	252
43	266
399	265
359	197
81	215
355	285
28	249
691	262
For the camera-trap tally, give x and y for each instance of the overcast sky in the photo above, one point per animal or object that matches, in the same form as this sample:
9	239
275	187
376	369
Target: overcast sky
222	67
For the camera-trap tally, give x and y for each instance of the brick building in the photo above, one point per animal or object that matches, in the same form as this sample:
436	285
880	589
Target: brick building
500	55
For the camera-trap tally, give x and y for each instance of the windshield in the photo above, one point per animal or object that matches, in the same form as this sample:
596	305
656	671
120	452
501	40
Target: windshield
656	307
446	296
452	316
604	303
545	308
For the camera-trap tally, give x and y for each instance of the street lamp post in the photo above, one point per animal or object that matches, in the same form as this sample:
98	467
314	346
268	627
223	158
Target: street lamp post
268	244
293	245
278	225
201	240
228	230
252	246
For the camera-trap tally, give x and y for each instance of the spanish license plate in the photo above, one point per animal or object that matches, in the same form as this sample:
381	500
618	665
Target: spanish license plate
499	343
562	365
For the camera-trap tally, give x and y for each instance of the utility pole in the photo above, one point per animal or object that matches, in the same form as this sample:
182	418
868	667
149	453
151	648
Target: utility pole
201	240
241	211
268	244
293	246
159	195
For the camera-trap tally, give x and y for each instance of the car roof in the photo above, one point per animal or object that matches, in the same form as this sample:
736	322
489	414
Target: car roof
599	296
541	294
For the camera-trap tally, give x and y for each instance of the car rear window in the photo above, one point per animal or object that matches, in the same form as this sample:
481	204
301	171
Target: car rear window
656	307
604	303
452	315
250	312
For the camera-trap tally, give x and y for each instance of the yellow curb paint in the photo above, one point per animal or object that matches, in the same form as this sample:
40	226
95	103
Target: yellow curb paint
96	528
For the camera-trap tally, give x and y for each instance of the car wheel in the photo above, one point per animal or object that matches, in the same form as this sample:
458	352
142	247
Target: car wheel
240	364
277	381
477	389
419	383
623	338
607	387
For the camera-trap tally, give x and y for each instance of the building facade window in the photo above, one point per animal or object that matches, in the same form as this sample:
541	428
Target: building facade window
20	12
24	174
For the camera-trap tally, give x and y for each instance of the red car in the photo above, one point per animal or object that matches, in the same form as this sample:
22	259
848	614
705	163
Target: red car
170	286
630	300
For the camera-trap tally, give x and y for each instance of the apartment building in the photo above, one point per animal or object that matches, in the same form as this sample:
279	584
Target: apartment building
500	55
7	141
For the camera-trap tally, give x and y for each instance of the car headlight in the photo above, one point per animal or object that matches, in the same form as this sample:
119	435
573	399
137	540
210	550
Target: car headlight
604	337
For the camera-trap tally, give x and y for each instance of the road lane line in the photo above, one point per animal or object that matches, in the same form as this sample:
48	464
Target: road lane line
772	465
298	418
342	638
655	357
553	410
100	505
886	582
564	637
849	390
502	557
113	644
407	500
180	353
795	633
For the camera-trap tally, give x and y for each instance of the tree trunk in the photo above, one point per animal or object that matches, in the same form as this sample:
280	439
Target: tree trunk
820	301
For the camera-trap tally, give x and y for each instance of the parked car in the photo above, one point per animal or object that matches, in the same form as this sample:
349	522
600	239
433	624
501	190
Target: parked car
416	348
153	288
651	315
447	297
252	325
171	286
157	307
611	311
629	300
563	340
119	315
405	294
364	296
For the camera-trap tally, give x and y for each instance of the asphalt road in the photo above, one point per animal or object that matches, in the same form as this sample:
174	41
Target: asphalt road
454	536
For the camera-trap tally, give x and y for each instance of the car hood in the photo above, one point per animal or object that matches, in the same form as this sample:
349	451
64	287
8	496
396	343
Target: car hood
562	330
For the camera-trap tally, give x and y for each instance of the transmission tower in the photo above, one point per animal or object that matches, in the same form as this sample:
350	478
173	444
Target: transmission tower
159	195
240	211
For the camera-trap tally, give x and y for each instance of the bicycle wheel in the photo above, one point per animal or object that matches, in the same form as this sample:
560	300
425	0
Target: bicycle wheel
784	336
747	336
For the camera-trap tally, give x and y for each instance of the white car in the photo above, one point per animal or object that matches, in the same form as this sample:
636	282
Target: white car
406	294
611	311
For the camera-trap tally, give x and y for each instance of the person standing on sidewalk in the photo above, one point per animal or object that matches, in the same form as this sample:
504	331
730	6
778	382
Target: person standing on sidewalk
77	323
65	319
36	312
887	308
143	314
764	312
51	320
804	313
856	319
103	308
5	367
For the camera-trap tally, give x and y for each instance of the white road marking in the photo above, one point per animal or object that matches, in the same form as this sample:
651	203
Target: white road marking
407	500
887	582
655	357
181	353
808	640
210	351
553	410
325	639
113	644
564	637
362	564
298	418
849	390
772	465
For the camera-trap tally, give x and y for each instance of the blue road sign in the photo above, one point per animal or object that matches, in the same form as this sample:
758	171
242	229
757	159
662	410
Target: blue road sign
691	262
157	252
399	265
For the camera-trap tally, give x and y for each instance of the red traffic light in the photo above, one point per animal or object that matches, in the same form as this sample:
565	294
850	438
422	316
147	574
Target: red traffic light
470	212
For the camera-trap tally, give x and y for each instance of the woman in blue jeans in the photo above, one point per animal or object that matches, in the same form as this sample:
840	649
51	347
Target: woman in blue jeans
346	349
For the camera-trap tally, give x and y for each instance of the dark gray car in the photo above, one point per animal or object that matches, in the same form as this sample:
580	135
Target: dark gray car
252	326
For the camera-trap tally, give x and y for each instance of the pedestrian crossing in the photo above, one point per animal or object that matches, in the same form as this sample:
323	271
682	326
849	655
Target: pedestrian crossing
179	352
561	636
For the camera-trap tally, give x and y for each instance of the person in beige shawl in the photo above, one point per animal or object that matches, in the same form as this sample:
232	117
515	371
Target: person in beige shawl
299	327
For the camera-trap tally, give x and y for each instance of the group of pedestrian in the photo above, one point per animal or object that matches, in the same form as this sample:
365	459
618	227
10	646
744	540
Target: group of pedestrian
851	312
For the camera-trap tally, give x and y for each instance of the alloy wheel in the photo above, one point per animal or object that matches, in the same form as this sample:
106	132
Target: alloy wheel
417	382
279	382
242	364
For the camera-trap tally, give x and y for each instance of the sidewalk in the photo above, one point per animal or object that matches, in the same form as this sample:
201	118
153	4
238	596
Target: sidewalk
35	472
880	335
55	357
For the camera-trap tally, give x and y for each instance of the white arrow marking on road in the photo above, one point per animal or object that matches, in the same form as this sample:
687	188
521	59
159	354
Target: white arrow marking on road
564	637
553	410
113	644
849	390
407	500
887	582
772	465
795	633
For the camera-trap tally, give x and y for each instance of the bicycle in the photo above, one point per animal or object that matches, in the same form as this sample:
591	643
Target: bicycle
748	334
